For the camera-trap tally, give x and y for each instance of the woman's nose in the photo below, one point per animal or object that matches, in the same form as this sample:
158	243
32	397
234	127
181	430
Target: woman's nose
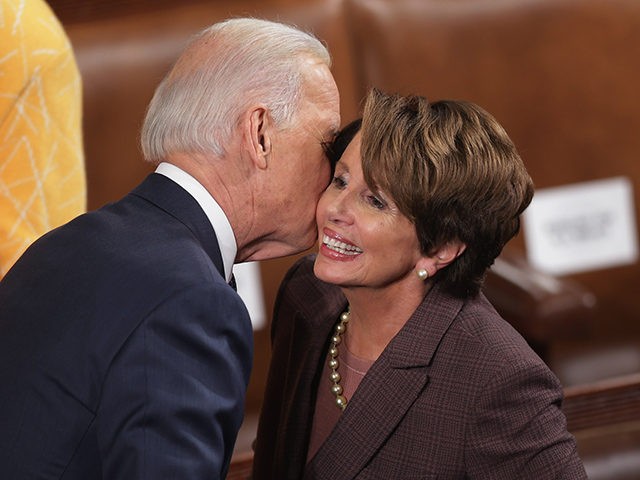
340	208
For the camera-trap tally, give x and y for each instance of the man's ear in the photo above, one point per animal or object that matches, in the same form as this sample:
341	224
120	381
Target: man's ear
258	132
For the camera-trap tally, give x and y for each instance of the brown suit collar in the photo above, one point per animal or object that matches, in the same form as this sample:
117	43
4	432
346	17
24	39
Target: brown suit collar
391	386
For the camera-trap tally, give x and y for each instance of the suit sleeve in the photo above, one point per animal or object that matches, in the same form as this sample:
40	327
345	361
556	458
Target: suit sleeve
519	430
173	399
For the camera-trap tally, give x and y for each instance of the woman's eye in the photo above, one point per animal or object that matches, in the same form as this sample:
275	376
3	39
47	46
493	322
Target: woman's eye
375	202
339	182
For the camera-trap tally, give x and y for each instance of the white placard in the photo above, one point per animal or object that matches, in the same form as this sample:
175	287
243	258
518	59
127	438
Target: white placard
581	227
249	283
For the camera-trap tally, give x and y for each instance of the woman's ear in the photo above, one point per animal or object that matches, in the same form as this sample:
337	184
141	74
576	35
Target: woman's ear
440	258
258	131
447	253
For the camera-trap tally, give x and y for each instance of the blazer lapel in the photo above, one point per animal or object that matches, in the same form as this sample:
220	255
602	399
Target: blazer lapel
177	202
368	421
313	324
307	346
392	384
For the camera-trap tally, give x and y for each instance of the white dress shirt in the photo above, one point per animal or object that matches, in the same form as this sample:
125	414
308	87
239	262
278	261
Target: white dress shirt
215	214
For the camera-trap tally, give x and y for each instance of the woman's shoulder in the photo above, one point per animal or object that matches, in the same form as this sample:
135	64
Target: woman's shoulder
484	352
483	327
300	276
303	291
301	268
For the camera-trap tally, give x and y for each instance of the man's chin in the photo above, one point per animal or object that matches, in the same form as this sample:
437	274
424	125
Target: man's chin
279	250
305	243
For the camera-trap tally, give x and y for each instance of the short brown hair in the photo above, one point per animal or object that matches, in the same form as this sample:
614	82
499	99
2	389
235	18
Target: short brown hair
453	171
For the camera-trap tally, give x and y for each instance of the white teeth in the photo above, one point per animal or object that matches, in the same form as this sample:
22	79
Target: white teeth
340	247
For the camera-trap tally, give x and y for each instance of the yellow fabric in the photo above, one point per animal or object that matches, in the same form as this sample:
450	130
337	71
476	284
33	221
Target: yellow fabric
42	176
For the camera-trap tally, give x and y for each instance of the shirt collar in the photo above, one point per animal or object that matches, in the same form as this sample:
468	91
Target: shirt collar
215	214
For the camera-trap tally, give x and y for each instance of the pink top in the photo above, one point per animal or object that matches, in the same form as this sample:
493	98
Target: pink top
352	369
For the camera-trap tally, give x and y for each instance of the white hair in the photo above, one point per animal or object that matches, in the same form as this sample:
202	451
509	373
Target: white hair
225	69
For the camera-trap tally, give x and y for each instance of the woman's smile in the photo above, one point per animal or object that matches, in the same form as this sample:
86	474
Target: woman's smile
334	247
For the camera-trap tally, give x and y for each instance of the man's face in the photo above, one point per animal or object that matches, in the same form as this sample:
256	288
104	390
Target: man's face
302	169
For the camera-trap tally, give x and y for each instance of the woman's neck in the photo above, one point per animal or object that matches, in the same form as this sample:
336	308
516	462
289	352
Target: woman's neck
377	315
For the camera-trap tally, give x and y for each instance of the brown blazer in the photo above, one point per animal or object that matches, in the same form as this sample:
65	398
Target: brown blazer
456	394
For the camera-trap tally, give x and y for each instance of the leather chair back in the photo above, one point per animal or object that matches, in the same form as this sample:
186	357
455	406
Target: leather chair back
560	75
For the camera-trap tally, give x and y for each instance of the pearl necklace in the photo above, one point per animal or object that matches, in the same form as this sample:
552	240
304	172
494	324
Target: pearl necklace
334	376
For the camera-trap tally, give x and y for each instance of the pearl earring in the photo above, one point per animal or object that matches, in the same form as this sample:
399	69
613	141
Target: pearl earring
422	274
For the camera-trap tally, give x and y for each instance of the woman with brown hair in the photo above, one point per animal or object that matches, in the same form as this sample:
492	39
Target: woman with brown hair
388	361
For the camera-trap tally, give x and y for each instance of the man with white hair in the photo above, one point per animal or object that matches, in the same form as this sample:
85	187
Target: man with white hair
124	351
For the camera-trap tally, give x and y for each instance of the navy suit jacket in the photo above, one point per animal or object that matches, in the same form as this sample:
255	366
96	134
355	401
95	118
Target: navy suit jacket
124	354
456	394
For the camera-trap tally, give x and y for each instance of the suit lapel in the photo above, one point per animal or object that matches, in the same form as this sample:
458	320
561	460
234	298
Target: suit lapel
370	418
391	386
177	202
306	350
314	318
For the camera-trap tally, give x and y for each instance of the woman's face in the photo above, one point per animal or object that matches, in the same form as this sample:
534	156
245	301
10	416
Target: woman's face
364	240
